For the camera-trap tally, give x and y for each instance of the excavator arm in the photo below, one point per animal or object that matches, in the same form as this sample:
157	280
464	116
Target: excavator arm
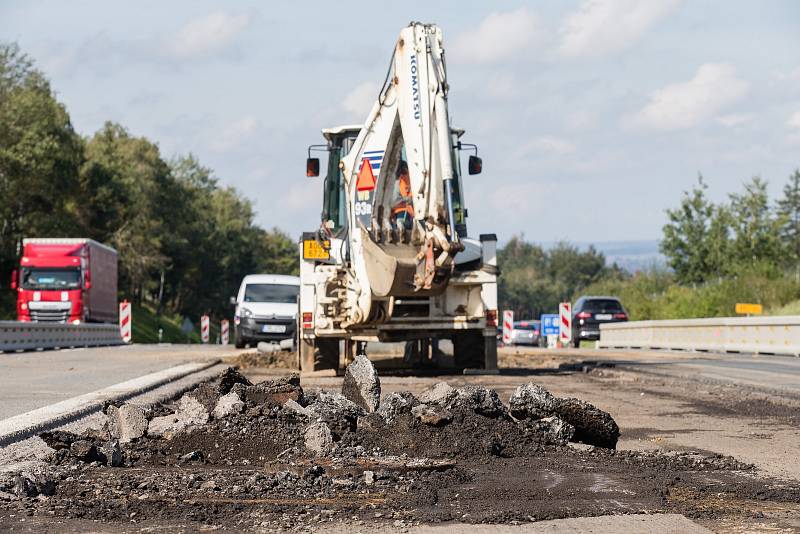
408	128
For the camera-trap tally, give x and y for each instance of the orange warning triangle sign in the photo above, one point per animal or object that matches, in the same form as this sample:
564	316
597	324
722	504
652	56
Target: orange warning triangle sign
366	180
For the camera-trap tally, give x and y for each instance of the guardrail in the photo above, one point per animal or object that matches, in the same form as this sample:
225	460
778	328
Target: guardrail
16	335
758	335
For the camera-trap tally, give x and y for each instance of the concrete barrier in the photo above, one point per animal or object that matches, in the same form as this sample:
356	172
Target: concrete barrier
16	335
758	335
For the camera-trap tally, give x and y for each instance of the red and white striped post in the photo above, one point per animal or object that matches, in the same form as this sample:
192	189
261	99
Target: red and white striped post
565	324
204	328
508	326
125	321
223	332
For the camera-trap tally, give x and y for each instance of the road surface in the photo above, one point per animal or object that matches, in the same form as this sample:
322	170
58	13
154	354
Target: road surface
30	380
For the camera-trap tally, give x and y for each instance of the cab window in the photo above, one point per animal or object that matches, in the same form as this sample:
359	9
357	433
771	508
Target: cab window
333	202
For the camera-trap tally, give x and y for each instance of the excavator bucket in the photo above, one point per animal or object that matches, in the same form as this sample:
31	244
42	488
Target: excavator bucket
396	270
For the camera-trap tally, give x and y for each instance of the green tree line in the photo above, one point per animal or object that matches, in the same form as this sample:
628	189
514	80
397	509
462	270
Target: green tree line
746	249
534	279
184	240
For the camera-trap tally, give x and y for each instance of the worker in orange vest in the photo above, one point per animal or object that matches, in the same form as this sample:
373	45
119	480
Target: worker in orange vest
403	209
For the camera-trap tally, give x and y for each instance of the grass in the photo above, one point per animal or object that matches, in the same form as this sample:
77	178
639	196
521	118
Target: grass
146	324
791	308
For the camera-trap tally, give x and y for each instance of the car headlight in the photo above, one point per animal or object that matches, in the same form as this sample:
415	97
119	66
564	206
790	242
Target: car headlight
246	314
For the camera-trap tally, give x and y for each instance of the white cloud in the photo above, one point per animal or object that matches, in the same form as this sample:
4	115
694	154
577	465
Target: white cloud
736	119
358	102
683	105
794	120
525	197
605	26
234	133
207	34
499	37
548	145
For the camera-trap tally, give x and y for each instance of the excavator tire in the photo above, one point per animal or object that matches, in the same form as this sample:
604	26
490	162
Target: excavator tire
318	354
469	349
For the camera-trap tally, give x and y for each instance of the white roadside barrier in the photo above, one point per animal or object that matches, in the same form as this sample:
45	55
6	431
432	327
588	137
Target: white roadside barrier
17	335
757	335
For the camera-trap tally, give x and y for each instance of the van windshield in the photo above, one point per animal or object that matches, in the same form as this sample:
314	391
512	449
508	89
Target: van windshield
271	293
50	278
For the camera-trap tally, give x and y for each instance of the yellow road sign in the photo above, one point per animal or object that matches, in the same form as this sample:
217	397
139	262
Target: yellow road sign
749	309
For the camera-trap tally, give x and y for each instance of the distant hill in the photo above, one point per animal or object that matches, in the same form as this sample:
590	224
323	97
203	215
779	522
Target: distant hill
630	255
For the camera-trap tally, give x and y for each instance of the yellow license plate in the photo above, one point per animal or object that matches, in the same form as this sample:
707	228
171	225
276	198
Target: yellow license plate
312	250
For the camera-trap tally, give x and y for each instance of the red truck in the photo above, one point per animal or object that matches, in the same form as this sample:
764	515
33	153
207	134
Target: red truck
66	281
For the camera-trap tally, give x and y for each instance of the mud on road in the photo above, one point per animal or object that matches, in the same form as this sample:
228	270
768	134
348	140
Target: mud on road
443	455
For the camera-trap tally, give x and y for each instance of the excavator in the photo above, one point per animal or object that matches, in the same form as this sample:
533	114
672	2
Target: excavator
392	260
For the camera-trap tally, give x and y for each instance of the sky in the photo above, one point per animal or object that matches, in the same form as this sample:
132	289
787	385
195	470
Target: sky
591	116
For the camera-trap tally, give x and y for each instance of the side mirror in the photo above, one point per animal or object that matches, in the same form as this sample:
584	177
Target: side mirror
475	165
233	301
14	279
312	167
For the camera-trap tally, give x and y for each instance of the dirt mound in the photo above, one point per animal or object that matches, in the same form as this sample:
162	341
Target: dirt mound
273	456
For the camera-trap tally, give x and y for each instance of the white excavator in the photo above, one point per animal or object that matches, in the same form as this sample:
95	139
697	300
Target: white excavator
391	261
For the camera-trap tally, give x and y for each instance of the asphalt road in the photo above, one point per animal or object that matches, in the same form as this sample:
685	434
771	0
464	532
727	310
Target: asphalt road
30	380
771	372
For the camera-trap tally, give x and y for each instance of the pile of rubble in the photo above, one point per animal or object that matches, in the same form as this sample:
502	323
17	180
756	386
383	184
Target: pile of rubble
231	421
273	456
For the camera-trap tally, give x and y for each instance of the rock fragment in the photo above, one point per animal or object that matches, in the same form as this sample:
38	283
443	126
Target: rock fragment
395	404
296	407
209	393
58	439
339	413
531	401
228	404
361	384
275	392
83	450
479	399
164	427
432	415
318	438
126	423
110	454
591	424
440	393
24	487
190	412
557	430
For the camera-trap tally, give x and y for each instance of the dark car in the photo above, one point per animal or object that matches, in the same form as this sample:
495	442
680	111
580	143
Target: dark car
590	312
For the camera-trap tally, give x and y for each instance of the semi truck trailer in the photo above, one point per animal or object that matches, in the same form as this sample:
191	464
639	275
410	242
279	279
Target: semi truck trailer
66	280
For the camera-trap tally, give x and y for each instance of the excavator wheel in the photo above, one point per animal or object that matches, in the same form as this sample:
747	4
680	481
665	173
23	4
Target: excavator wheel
319	353
469	349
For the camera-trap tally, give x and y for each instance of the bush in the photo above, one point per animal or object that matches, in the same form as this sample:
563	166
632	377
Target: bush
655	294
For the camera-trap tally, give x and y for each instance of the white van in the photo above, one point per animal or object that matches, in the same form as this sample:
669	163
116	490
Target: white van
266	309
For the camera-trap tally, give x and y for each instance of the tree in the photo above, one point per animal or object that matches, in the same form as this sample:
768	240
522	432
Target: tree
685	242
40	154
756	231
535	280
789	214
126	199
719	249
